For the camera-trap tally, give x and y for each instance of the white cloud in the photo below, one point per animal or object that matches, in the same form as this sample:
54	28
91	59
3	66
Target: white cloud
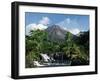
34	26
41	26
74	31
70	25
65	23
44	21
29	28
68	20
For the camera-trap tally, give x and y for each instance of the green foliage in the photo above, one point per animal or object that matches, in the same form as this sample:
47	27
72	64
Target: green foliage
34	45
76	50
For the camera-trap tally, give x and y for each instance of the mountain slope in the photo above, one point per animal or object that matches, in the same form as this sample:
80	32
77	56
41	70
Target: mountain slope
56	33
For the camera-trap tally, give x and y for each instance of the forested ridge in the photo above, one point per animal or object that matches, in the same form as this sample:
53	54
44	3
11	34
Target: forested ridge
73	48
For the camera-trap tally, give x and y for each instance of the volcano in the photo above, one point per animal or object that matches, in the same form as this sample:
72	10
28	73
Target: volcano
56	33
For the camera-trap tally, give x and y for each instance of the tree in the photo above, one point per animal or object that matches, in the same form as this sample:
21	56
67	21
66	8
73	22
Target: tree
68	44
72	51
83	43
35	45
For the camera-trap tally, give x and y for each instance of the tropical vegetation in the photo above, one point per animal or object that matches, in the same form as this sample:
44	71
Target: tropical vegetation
74	49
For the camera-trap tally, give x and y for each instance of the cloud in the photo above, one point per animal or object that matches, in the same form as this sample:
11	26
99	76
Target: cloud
29	28
68	20
70	25
44	21
42	24
74	31
65	23
34	26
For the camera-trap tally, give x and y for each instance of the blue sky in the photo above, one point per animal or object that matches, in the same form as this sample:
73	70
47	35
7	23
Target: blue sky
67	21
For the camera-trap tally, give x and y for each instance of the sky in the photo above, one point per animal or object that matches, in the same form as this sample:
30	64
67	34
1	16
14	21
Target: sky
71	22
